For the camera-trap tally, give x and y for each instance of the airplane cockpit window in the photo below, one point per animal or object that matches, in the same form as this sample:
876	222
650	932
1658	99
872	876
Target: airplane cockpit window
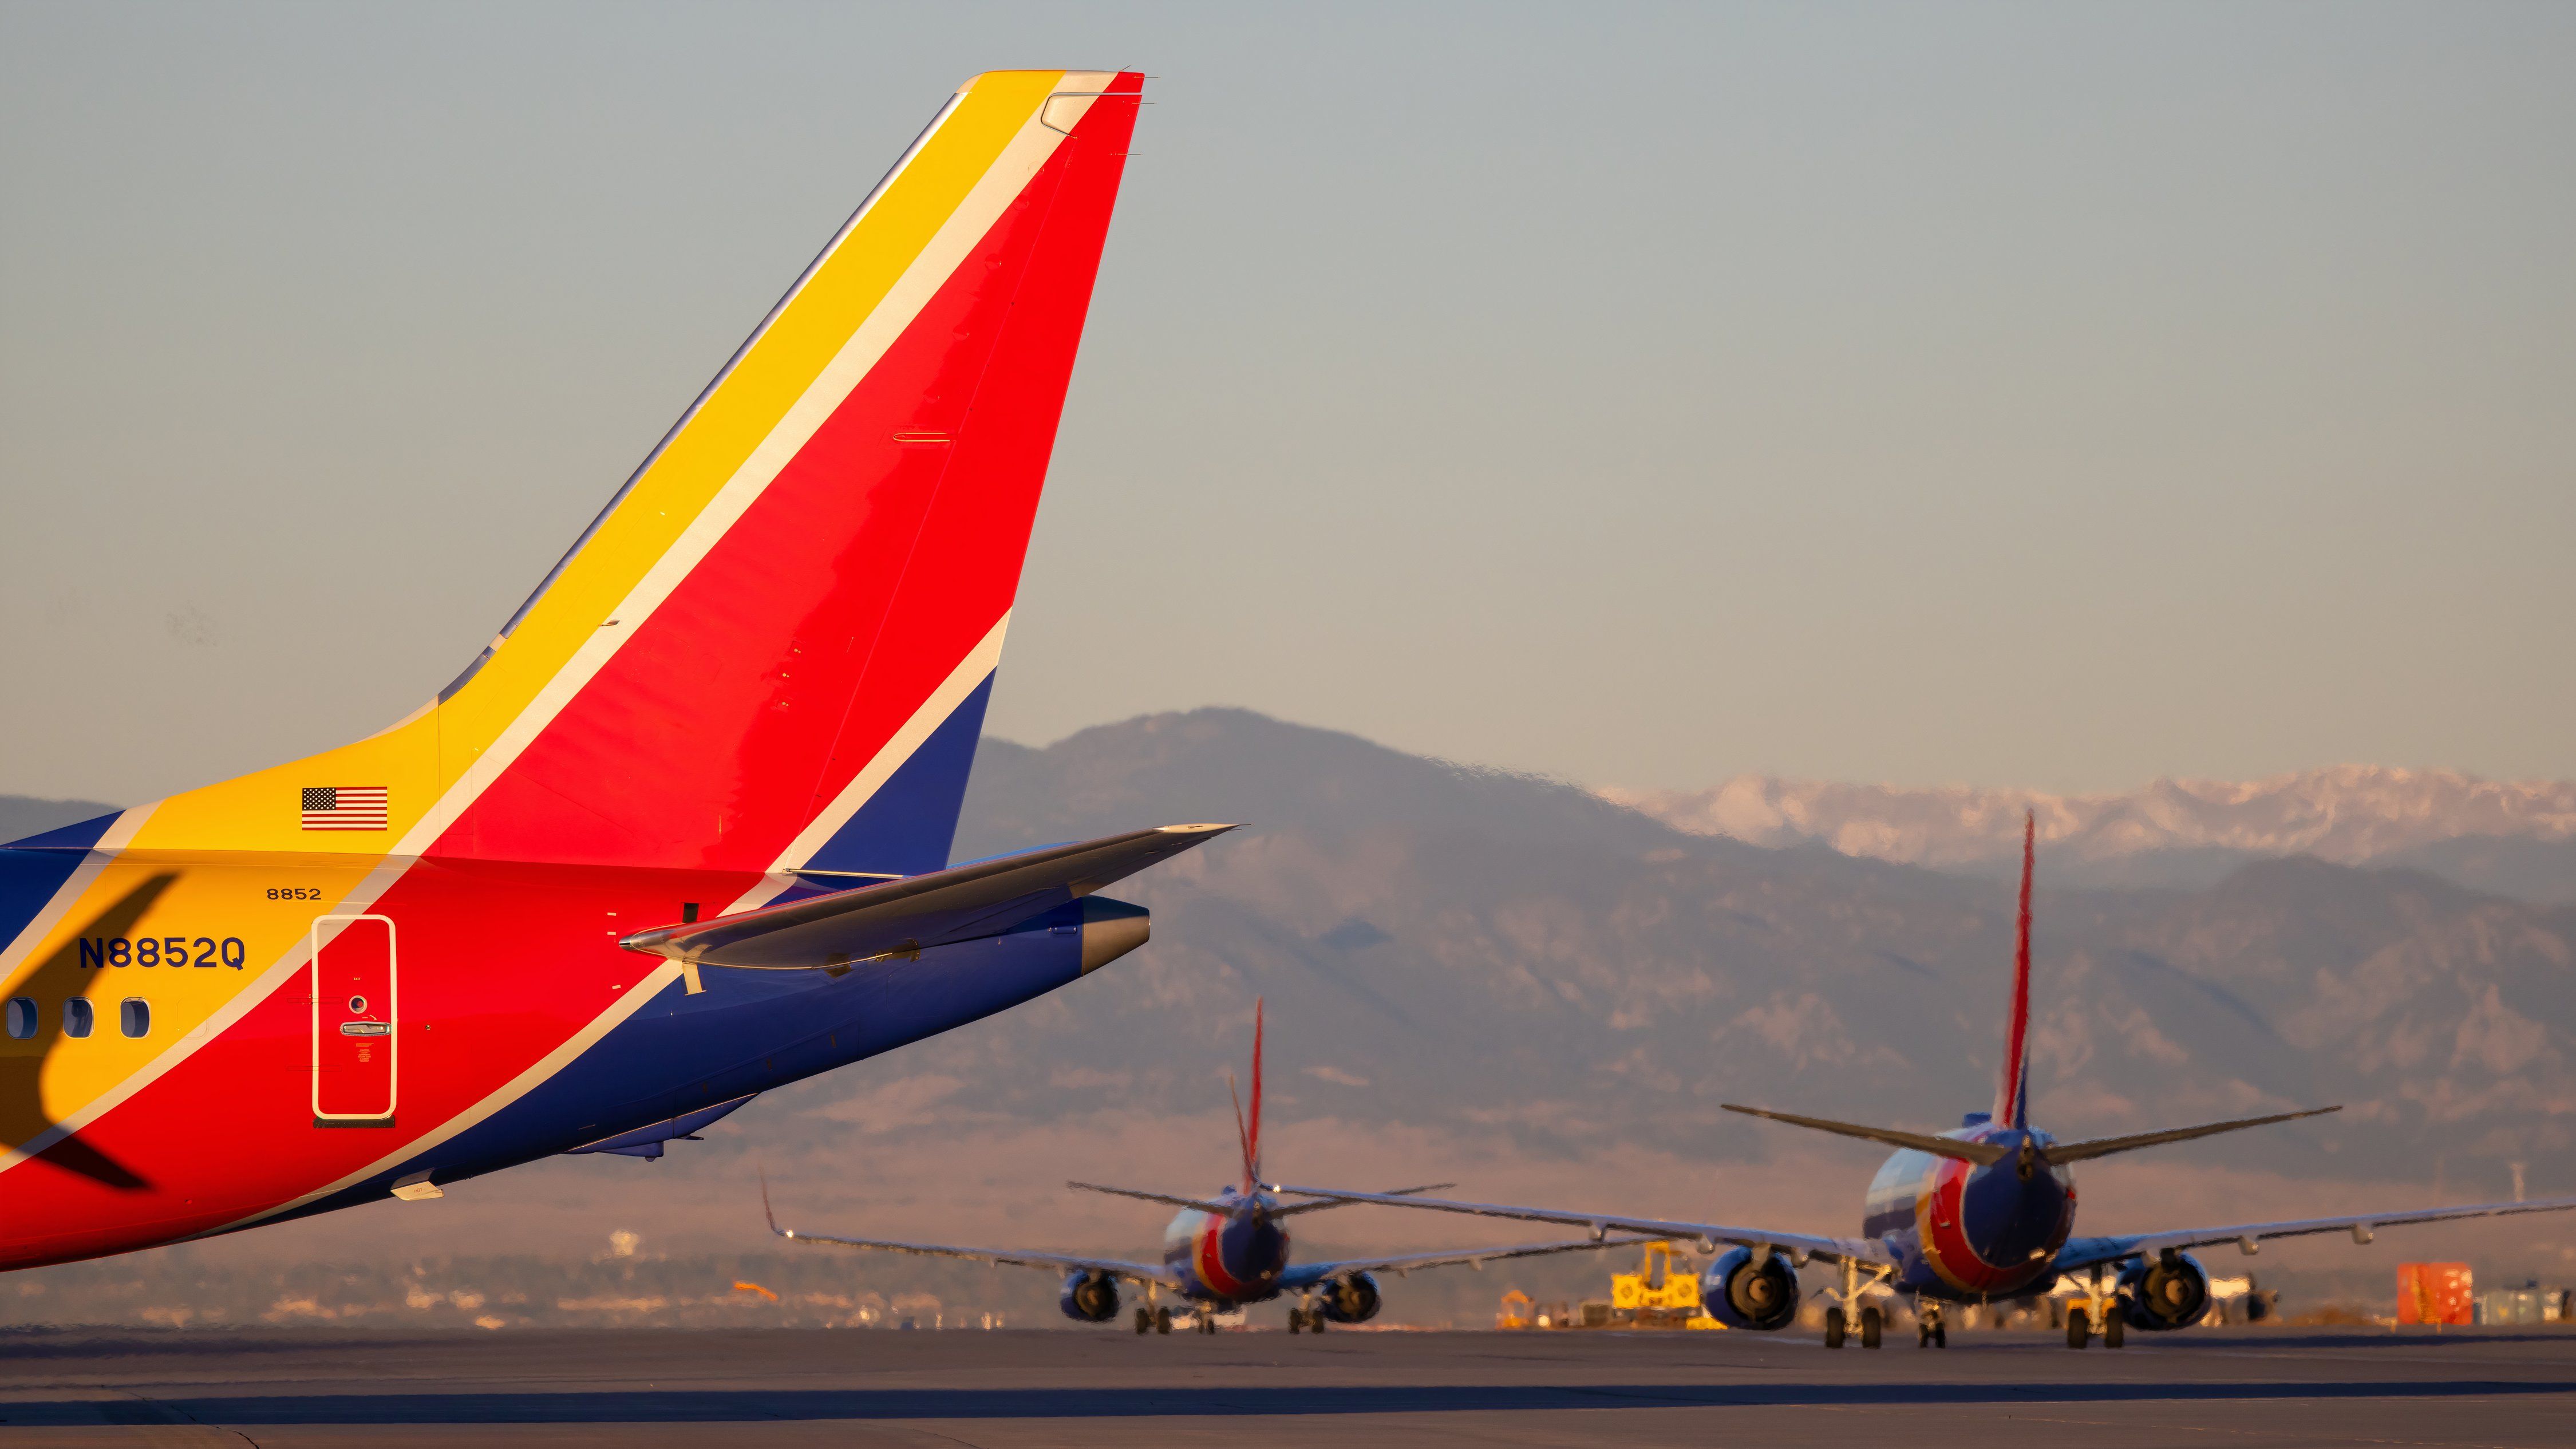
22	1017
77	1017
135	1016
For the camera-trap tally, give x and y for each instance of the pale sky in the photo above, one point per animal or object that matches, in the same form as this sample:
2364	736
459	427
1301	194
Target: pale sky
2043	395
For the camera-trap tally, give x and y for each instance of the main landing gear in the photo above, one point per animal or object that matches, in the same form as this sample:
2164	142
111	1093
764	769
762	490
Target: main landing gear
1305	1320
1839	1318
1929	1331
1873	1324
1153	1320
2111	1312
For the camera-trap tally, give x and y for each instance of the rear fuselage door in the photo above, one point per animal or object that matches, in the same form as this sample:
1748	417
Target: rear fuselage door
354	1023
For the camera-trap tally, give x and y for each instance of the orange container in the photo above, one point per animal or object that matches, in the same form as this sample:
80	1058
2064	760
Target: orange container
2434	1293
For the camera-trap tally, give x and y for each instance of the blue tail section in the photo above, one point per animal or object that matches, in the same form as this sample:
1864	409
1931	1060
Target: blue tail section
909	824
33	869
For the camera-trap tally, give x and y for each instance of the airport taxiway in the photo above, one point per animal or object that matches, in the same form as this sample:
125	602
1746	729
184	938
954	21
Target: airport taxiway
845	1387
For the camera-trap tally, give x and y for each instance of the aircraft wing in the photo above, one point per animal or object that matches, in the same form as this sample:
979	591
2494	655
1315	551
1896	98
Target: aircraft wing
1307	1275
1798	1245
957	904
2086	1252
1140	1273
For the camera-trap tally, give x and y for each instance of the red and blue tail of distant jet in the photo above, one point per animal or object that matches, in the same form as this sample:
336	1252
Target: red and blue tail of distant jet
1978	1213
1221	1252
680	832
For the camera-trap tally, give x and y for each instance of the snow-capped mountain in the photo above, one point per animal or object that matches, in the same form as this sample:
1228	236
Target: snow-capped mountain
2517	835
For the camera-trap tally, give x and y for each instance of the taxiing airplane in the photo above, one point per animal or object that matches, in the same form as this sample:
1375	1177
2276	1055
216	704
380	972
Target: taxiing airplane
1979	1213
678	835
1221	1252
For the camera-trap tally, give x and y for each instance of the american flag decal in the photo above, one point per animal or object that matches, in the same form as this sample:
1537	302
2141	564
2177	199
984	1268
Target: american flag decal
344	807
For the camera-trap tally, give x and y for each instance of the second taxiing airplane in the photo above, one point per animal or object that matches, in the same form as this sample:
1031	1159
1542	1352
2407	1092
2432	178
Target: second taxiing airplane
1982	1212
1223	1252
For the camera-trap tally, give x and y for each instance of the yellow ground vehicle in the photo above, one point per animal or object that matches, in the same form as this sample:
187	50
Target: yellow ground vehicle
1662	1293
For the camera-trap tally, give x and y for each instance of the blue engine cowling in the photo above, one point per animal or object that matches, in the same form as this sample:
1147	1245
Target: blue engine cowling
2165	1293
1090	1297
1742	1293
1350	1298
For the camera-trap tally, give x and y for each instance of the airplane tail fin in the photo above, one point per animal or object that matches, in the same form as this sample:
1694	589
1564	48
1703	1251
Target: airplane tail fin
1248	1134
773	648
2012	1095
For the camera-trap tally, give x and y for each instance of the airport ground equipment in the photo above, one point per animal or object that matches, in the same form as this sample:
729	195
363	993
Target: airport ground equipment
1977	1213
1662	1293
2440	1294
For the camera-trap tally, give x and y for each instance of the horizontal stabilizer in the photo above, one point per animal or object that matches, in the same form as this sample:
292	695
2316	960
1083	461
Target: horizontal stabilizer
2063	1152
1201	1204
1222	1207
1319	1204
646	1142
962	903
1981	1153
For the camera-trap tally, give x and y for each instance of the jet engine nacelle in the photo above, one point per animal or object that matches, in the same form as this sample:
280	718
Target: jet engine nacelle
1091	1297
1350	1298
1742	1292
2165	1293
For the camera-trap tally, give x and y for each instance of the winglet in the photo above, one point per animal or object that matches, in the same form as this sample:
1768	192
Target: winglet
765	1209
2012	1094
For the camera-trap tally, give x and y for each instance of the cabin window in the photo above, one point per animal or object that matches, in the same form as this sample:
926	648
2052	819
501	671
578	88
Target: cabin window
135	1016
22	1017
77	1017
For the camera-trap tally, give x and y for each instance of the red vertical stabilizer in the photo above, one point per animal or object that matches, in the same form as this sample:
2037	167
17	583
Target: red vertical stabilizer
1248	1134
2012	1096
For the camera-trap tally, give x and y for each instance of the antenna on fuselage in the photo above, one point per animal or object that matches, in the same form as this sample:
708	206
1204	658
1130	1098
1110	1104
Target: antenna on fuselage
2012	1094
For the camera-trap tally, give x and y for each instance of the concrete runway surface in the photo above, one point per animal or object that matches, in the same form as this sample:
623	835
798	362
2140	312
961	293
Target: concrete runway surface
844	1387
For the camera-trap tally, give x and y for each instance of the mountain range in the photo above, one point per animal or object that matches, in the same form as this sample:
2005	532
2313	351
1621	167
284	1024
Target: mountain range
1541	993
2515	838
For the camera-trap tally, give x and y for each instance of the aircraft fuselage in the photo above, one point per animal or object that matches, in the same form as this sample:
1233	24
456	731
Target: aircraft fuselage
347	1050
1965	1232
1226	1259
